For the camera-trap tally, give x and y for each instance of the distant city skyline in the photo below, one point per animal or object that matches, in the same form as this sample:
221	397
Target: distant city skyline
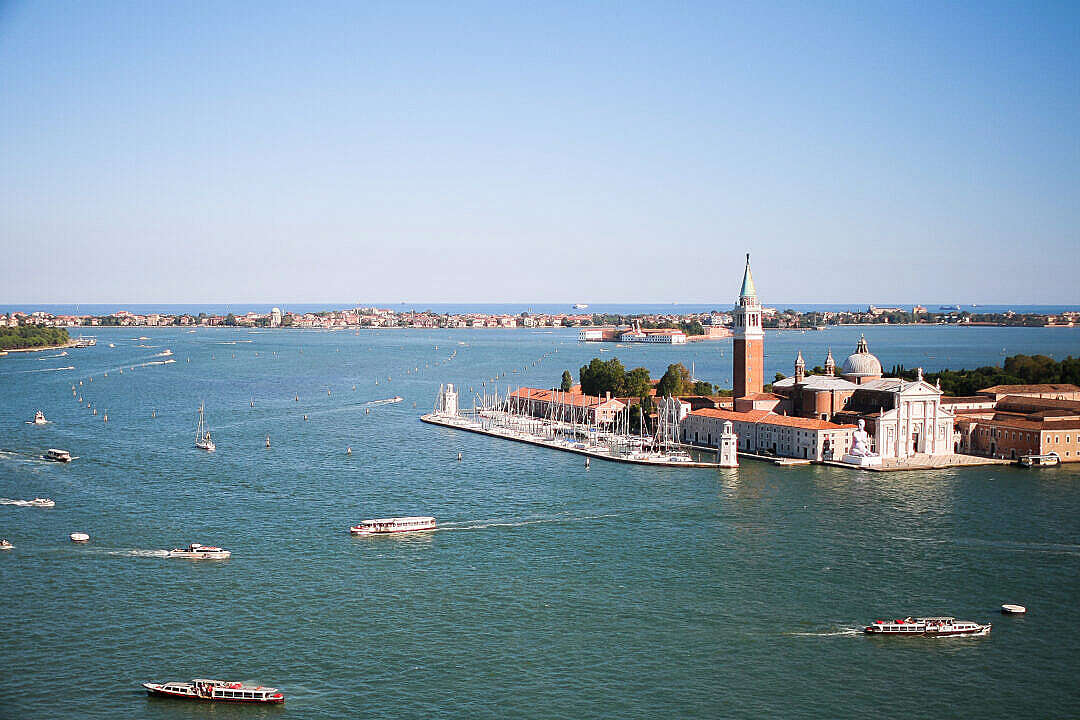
609	154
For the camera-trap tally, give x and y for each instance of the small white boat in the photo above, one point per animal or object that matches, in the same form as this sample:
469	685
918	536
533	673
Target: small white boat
386	526
1009	609
216	691
57	455
5	544
43	502
928	626
198	551
39	418
79	537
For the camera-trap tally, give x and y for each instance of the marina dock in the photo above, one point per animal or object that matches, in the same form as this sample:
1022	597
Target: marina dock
601	452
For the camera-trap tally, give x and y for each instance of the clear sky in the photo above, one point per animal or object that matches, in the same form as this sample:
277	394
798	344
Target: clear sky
455	151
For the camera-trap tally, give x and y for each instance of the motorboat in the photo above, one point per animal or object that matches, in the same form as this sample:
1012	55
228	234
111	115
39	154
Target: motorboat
57	455
198	551
5	544
928	626
386	526
1010	609
79	537
43	502
39	418
215	691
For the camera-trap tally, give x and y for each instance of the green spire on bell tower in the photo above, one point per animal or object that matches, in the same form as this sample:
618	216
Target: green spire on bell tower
748	289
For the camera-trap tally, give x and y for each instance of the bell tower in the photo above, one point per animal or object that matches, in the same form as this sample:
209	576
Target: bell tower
748	361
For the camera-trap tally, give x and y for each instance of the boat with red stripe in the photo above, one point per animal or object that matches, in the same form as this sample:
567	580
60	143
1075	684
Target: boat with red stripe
216	691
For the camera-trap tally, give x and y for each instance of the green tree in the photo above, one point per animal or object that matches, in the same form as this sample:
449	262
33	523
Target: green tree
567	381
637	383
599	377
676	381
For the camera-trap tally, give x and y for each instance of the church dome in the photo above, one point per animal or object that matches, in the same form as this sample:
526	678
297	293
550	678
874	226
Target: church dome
861	363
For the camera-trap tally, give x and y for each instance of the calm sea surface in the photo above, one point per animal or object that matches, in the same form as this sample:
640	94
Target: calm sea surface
550	591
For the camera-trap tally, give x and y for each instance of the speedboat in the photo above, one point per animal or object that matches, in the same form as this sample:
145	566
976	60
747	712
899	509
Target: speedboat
57	455
386	526
215	691
5	544
79	537
198	551
43	502
930	626
39	418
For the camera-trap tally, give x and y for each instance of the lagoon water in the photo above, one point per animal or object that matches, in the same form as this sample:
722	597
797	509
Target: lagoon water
550	591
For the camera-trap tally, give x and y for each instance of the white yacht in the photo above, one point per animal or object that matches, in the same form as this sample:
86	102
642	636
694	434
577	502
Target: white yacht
39	418
5	544
198	551
386	526
203	441
43	502
215	691
929	626
79	537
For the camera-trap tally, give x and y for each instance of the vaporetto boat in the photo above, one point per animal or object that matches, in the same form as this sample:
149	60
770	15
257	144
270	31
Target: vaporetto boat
215	691
386	526
928	626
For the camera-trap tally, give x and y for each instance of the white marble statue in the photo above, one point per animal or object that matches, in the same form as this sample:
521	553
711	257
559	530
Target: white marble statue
860	453
860	441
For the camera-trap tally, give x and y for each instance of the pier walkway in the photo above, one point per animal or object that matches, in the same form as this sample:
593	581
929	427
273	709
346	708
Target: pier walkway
600	452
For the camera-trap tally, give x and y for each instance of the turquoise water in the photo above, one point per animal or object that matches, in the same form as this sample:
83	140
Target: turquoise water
551	591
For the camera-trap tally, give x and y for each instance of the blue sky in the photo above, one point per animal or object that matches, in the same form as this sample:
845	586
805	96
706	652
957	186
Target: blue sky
631	152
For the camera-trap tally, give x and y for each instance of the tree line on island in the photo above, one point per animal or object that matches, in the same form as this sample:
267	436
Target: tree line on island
32	336
600	377
1016	370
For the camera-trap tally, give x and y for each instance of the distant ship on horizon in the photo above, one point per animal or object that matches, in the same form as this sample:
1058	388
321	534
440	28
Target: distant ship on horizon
579	306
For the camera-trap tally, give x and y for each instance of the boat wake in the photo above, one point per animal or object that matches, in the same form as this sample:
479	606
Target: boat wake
59	354
842	632
69	367
485	524
387	401
139	553
17	503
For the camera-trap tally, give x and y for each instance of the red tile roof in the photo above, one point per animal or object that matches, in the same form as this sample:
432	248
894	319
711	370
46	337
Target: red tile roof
1045	388
770	418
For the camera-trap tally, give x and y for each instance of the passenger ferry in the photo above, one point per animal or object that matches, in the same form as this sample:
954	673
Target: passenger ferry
215	691
198	551
929	626
57	455
393	525
1048	460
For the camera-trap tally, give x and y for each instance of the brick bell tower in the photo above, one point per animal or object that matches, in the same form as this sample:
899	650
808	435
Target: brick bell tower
748	358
